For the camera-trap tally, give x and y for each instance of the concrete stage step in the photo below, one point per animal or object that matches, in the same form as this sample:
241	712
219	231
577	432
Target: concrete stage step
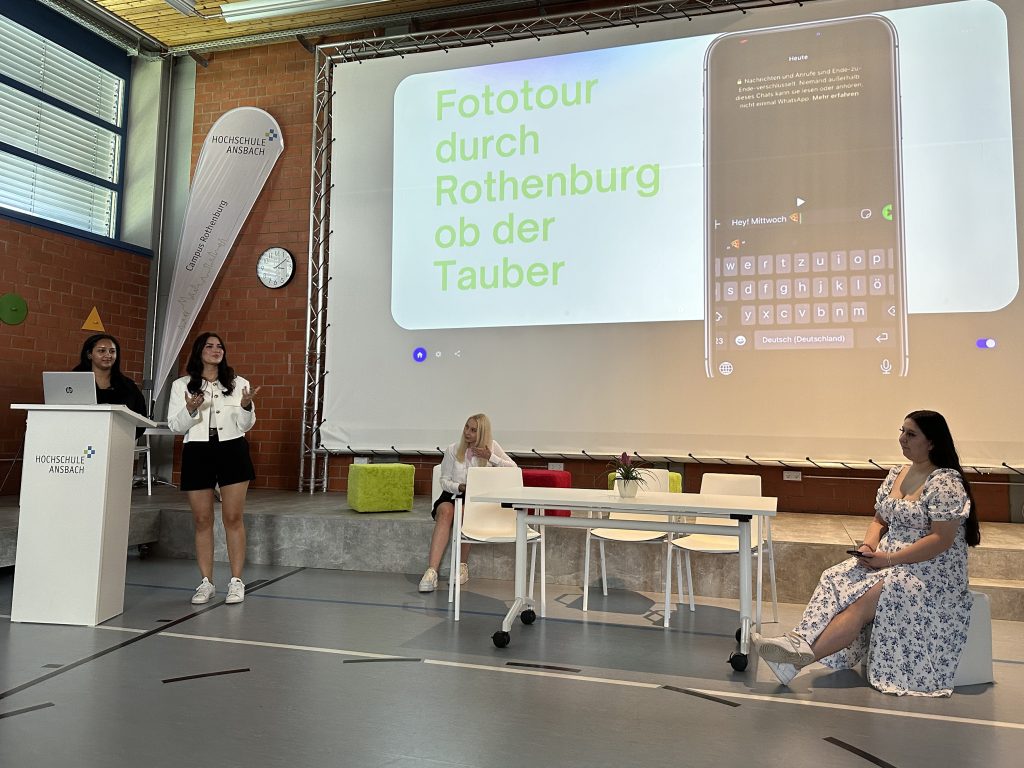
319	531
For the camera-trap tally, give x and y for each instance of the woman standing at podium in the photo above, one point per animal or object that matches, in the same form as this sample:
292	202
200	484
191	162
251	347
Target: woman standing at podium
213	409
101	354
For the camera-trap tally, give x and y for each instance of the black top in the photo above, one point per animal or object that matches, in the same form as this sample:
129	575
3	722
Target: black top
128	394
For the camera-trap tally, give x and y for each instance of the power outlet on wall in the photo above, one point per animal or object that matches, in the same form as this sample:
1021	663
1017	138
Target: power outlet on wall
556	465
792	474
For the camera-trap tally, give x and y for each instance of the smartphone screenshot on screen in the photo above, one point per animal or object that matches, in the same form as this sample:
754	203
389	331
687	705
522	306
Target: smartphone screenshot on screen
804	237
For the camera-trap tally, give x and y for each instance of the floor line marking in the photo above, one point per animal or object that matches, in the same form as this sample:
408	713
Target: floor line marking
26	709
603	680
446	609
205	674
281	646
541	673
531	665
360	654
119	646
130	630
866	710
100	654
858	752
691	692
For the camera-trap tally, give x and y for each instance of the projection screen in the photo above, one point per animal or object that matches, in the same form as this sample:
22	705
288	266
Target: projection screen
769	234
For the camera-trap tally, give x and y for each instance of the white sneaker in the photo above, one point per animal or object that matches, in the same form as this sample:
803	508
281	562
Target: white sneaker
463	573
204	592
790	648
429	581
236	591
785	672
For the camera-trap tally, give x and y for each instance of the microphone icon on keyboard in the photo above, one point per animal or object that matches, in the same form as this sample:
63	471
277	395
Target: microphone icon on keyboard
886	367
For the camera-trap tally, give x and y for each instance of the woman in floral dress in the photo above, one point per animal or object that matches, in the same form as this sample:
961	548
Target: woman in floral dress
909	580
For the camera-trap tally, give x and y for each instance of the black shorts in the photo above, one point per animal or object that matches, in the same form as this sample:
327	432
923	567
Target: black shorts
205	465
444	497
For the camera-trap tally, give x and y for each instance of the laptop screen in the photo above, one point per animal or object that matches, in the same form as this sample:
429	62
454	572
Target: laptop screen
69	388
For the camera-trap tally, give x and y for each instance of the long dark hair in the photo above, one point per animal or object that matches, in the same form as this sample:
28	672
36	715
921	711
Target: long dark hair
117	379
194	366
943	454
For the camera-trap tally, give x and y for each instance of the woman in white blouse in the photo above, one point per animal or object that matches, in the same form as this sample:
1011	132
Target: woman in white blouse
476	449
213	409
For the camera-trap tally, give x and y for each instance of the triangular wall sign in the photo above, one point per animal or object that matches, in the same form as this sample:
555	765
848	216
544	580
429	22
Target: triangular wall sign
93	322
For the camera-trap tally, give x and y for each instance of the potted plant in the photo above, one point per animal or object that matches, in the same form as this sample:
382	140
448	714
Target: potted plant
629	477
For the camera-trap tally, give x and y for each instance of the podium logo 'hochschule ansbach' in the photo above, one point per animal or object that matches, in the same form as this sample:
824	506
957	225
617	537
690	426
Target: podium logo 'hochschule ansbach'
67	465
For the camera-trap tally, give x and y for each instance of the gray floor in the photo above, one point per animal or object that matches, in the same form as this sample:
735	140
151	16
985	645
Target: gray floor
333	668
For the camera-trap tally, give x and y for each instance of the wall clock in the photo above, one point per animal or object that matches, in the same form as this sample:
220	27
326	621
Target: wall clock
275	267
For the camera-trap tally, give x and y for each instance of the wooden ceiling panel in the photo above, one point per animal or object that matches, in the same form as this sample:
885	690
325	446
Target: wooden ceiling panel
160	21
181	33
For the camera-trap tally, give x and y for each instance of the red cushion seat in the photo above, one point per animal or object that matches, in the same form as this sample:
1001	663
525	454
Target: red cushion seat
548	478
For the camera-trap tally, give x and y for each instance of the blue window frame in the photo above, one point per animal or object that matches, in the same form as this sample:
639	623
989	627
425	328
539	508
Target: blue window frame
62	123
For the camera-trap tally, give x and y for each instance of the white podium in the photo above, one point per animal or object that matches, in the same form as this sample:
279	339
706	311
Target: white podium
76	488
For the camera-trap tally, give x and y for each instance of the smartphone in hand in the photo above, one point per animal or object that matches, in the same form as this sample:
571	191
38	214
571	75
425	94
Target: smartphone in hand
856	553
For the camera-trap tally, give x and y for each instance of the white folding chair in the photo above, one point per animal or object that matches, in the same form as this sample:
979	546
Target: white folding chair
728	485
479	522
435	483
656	480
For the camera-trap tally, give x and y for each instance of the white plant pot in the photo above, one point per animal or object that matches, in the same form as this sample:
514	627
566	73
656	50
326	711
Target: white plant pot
627	488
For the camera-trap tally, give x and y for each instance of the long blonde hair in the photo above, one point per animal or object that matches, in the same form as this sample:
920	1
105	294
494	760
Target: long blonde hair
483	435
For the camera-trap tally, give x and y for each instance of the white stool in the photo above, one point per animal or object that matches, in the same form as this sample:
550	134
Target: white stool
975	665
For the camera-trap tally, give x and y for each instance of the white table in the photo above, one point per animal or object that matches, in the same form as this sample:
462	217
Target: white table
672	505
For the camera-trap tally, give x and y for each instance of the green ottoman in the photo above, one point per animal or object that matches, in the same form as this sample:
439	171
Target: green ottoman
675	482
380	487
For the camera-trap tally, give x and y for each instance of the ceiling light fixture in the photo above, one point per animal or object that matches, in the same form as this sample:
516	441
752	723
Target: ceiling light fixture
186	7
251	10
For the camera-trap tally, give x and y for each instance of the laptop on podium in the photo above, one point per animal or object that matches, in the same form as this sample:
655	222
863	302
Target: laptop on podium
69	388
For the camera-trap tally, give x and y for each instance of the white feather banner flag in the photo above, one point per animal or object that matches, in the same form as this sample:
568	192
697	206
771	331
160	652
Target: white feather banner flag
236	159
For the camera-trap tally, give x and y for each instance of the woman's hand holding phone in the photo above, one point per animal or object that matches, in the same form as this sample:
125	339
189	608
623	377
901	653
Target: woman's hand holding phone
868	558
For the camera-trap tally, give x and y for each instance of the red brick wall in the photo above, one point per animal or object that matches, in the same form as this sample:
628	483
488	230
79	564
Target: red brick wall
264	330
61	278
842	492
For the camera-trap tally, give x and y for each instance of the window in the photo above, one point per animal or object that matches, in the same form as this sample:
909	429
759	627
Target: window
61	133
